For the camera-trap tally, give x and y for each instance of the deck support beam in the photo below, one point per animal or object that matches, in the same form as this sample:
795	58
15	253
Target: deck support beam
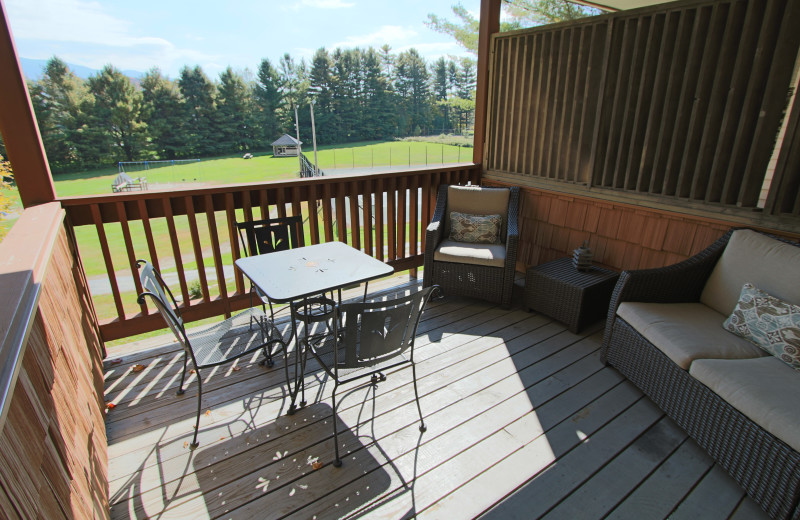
489	24
19	128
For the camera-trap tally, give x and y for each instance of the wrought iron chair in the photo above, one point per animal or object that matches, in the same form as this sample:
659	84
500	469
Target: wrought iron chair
477	270
373	337
210	346
264	236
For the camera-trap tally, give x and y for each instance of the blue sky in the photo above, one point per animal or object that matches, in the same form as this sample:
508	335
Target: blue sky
140	34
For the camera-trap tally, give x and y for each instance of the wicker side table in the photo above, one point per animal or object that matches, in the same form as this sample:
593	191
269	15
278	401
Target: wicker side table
577	298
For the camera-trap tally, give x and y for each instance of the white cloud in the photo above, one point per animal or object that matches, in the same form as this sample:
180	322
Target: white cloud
327	4
74	25
392	34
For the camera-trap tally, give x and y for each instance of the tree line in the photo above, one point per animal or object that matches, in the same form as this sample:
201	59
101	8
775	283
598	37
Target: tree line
358	94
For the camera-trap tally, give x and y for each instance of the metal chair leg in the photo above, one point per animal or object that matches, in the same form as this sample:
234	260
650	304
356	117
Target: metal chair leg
183	375
422	426
194	443
337	462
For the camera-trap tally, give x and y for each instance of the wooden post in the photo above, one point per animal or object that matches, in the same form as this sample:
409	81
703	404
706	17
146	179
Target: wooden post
18	127
489	24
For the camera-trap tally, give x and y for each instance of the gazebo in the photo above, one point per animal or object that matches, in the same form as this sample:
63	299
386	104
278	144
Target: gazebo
286	146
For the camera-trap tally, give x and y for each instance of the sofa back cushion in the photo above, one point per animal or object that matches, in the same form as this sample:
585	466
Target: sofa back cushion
750	257
476	200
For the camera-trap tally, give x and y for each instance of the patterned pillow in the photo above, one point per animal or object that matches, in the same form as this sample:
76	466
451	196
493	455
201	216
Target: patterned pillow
475	229
770	323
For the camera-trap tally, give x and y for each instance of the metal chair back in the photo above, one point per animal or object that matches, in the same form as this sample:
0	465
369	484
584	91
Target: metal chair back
269	235
376	332
159	293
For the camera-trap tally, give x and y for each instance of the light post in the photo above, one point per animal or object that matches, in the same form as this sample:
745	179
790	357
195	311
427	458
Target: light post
314	137
297	132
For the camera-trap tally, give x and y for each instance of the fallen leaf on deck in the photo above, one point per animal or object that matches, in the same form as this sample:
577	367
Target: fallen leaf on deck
115	361
185	444
110	406
222	438
208	412
191	371
236	369
317	465
138	368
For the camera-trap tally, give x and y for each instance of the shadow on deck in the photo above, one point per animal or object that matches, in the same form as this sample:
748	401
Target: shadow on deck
523	422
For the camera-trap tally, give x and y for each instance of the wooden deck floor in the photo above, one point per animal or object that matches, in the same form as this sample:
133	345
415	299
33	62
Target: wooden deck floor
523	422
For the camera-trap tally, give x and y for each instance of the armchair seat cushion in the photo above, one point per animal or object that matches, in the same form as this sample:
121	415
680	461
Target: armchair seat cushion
764	389
686	331
493	255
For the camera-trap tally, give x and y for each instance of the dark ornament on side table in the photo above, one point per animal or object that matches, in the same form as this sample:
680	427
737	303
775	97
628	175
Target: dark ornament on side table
582	257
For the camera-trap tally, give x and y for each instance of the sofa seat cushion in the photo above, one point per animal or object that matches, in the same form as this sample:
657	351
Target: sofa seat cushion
686	331
750	257
765	390
493	255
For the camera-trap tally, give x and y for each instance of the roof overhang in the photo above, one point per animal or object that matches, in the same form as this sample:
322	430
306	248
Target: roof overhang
619	5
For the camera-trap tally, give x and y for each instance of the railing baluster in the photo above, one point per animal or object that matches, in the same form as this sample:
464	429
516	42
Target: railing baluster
247	207
263	197
327	218
176	250
341	220
233	236
391	221
281	202
401	218
426	206
313	214
413	219
379	221
126	235
198	250
366	216
355	227
215	248
296	208
112	276
148	233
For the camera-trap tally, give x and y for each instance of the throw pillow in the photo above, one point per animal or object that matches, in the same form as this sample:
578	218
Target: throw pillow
770	323
475	229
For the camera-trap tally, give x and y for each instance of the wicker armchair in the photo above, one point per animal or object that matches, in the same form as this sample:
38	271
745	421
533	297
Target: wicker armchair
766	467
456	267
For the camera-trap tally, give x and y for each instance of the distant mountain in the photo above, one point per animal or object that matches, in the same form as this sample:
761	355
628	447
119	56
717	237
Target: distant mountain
34	69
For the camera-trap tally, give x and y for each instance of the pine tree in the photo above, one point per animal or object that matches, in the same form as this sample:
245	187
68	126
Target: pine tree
268	99
411	83
321	89
117	111
163	111
199	112
379	116
56	99
233	105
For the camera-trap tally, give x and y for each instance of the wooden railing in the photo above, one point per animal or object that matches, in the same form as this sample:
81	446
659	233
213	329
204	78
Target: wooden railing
383	215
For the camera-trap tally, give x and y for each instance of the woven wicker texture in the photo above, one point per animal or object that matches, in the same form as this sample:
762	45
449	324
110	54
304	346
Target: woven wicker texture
767	468
494	284
577	298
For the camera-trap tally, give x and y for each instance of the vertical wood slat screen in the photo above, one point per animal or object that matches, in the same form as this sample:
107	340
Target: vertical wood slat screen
683	101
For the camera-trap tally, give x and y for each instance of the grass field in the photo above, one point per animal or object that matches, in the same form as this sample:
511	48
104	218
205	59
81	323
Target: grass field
264	167
222	170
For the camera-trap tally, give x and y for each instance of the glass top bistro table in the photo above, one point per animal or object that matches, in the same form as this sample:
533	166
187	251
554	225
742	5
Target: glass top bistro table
298	276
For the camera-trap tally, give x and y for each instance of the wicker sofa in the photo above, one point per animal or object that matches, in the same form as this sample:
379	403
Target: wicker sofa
664	333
